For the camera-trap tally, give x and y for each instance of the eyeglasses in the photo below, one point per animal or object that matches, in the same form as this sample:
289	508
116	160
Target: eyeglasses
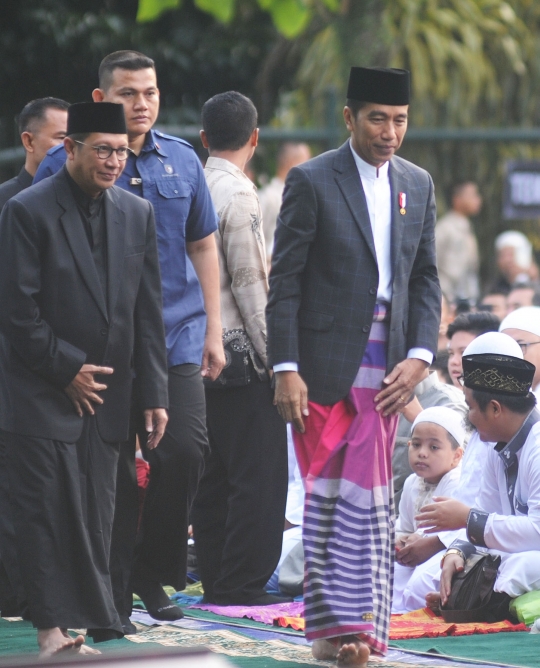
525	346
104	152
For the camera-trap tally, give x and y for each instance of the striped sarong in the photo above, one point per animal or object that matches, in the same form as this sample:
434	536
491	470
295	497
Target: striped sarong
345	458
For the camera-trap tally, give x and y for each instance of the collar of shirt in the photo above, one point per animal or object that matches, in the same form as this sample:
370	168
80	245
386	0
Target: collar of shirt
227	166
509	450
368	171
153	143
90	205
25	179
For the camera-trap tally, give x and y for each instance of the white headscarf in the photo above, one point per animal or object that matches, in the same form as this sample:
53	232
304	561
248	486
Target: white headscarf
521	245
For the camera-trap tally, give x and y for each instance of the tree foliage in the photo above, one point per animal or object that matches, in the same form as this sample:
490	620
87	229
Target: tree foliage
291	17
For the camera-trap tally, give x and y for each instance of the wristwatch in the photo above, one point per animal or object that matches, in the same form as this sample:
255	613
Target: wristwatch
452	550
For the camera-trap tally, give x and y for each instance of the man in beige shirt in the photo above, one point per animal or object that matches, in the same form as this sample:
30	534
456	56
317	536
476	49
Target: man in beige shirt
457	248
290	155
239	510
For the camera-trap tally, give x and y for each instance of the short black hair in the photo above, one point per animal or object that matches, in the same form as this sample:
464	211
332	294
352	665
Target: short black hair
476	323
355	106
520	405
228	120
35	111
124	60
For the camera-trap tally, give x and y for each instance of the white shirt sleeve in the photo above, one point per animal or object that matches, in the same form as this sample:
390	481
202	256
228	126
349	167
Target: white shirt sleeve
405	522
420	354
286	366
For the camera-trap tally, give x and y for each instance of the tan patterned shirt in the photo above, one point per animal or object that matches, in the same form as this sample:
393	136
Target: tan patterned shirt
242	254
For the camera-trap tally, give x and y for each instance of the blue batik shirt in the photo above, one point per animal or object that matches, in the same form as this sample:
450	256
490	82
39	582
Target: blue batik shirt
168	173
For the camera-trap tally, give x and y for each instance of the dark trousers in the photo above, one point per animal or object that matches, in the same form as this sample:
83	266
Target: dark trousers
12	596
159	550
239	511
62	500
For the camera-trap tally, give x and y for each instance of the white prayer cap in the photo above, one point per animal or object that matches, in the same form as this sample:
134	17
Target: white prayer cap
494	343
519	243
445	417
526	318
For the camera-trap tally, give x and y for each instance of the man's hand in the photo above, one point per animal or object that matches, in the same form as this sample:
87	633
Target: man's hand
452	564
82	389
443	515
400	385
155	421
417	549
291	398
213	359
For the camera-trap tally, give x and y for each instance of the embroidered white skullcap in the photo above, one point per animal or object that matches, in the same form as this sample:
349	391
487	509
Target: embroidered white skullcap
526	318
494	343
519	242
445	417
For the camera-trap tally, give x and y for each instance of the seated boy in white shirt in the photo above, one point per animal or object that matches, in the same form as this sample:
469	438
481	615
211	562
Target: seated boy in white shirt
435	452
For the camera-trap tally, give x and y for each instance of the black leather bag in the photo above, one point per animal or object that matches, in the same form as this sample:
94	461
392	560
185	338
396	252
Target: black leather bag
472	598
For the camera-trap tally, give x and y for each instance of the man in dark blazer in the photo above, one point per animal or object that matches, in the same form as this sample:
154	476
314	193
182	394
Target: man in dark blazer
42	125
355	237
81	329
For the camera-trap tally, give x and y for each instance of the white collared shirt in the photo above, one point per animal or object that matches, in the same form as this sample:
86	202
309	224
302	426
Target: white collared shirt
376	185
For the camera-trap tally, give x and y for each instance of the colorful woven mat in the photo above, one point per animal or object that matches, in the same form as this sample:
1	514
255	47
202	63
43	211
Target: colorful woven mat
267	614
423	623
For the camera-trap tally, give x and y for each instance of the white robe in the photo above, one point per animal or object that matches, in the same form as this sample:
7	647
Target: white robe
515	537
416	493
411	585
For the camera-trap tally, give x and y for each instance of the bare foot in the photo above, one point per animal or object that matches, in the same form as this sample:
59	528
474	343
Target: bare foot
433	601
55	640
353	652
324	650
83	648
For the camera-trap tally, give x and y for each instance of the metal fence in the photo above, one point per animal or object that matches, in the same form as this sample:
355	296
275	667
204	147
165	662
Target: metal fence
331	135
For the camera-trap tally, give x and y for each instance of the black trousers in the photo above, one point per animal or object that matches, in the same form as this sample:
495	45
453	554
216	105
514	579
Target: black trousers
239	511
62	500
12	595
159	549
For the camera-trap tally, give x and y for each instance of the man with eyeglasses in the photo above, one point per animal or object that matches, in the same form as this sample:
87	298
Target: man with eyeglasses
523	325
165	171
81	329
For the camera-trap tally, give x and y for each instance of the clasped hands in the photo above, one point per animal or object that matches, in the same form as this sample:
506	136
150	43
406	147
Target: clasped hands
291	393
83	391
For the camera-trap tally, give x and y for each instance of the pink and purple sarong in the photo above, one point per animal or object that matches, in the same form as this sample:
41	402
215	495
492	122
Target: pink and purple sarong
345	458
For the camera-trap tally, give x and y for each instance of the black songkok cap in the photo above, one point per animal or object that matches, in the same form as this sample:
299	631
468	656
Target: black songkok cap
380	85
498	374
104	117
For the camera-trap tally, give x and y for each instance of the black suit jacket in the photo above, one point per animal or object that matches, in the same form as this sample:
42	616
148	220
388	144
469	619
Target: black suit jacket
10	188
54	317
324	277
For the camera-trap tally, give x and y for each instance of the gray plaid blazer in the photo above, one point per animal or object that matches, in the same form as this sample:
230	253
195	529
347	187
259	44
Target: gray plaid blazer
324	277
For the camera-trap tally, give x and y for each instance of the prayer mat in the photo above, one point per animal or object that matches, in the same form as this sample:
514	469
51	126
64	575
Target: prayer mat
266	614
423	623
517	649
244	651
